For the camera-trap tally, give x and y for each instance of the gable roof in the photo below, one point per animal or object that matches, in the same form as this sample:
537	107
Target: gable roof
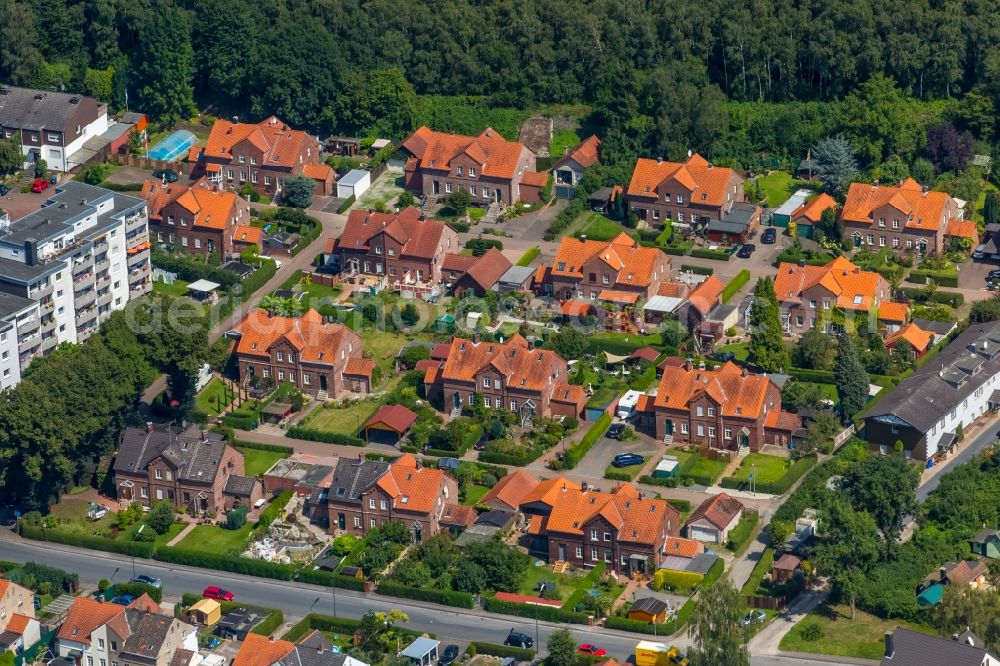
194	458
512	488
649	605
637	519
706	295
261	651
923	210
813	210
361	367
280	144
522	368
963	229
918	338
211	207
147	633
458	263
913	648
410	486
853	288
547	491
964	572
681	547
629	262
249	235
397	417
719	511
420	239
535	178
458	515
486	270
889	311
85	616
315	340
586	153
708	185
317	171
36	110
737	392
353	476
497	157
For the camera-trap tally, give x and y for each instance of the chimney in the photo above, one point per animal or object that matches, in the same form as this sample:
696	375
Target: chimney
149	426
802	263
659	160
583	238
564	486
204	435
583	486
890	650
689	364
943	573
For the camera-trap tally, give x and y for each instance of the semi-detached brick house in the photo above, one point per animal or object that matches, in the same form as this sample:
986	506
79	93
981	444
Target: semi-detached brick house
507	375
488	166
311	354
200	218
685	193
724	408
366	493
263	154
584	527
905	217
474	276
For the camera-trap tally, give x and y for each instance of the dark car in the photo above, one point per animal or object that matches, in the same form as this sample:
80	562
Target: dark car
616	430
38	603
769	236
169	175
724	356
3	190
993	274
518	639
449	655
123	600
628	459
746	251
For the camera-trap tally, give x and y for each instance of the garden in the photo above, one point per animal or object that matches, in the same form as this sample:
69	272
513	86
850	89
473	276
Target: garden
830	630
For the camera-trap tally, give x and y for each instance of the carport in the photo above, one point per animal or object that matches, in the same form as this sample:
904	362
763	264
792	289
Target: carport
389	425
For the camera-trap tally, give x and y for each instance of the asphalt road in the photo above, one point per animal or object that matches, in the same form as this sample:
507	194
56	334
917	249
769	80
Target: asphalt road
984	439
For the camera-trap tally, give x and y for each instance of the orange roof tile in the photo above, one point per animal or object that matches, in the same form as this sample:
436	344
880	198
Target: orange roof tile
671	289
316	341
780	420
512	488
922	210
547	491
918	338
317	171
889	311
523	368
813	209
615	296
570	393
281	146
410	488
457	514
706	295
586	153
457	263
420	238
736	392
963	229
535	178
362	367
497	157
853	288
637	519
487	270
577	308
645	403
535	525
397	417
210	207
85	616
681	547
18	623
719	510
261	651
249	235
632	264
708	185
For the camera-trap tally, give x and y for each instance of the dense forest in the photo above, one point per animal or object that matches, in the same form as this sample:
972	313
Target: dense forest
736	81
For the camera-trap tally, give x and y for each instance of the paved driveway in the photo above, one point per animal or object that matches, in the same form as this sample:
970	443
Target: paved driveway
600	456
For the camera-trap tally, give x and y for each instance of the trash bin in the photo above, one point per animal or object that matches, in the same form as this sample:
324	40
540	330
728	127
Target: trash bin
53	179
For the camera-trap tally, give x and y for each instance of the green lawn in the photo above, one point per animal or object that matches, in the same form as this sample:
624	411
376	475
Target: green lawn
257	461
631	470
766	469
779	185
600	228
176	288
473	494
741	350
72	516
861	638
562	139
476	214
708	468
564	583
212	539
215	397
739	536
344	420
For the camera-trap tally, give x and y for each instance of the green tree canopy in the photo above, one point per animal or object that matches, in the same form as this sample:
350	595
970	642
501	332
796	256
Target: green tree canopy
717	638
850	378
767	348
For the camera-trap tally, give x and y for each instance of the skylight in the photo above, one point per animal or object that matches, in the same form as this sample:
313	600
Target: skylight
857	299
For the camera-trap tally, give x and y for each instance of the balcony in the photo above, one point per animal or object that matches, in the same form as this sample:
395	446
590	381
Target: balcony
83	281
136	239
86	318
28	343
39	293
84	299
102	265
48	344
48	325
104	298
27	325
135	222
137	290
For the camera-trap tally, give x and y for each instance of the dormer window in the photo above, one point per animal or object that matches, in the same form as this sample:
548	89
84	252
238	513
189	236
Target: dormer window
561	266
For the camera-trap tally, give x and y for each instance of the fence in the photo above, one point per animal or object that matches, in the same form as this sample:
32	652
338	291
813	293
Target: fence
767	603
147	163
324	279
843	436
718	455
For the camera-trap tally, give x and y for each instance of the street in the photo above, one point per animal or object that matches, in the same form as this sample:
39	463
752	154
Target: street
984	439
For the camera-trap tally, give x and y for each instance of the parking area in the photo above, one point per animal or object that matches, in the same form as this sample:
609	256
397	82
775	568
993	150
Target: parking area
599	457
18	204
972	274
128	175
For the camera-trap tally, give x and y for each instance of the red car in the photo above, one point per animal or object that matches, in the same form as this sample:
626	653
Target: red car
591	650
40	185
217	593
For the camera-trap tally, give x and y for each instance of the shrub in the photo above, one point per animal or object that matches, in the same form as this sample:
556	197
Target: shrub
651	481
576	452
443	597
514	460
330	579
697	270
298	432
677	251
276	448
138	589
735	285
43	574
681	505
239	565
236	518
635	626
920	295
348	202
547	613
942	278
528	257
702	253
521	654
682	581
612	475
471	650
274	509
812	632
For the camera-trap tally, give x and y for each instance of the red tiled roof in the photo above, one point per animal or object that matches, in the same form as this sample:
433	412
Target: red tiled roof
615	296
420	238
719	510
645	403
547	491
681	547
889	311
853	288
457	263
210	207
918	338
249	235
85	616
316	341
671	289
280	145
646	354
736	393
261	651
630	263
18	623
489	268
586	153
779	420
457	514
965	572
706	295
359	367
787	562
317	171
708	185
412	489
512	488
577	308
813	210
397	417
497	157
922	210
440	351
426	363
535	178
524	368
637	519
963	229
569	393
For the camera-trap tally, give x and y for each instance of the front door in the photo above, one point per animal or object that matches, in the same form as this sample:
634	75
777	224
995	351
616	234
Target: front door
562	551
436	187
670	426
322	382
458	400
341	521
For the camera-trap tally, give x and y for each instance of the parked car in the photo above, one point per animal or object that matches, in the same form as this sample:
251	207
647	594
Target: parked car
40	185
148	580
591	650
993	274
769	236
217	593
724	356
4	190
979	252
168	175
518	639
628	459
123	599
616	430
449	656
753	617
746	250
38	603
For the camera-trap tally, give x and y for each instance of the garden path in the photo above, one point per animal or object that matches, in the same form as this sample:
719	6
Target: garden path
183	533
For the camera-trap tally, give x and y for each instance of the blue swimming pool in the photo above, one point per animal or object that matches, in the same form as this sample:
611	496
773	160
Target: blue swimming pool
173	146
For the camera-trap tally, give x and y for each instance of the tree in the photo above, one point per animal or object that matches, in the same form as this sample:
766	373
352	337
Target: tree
405	199
20	60
963	607
849	548
850	378
947	149
716	639
835	164
160	517
414	354
11	158
831	225
885	487
378	102
767	349
991	208
469	577
570	343
985	311
562	649
876	118
814	350
165	64
778	532
922	171
459	201
297	192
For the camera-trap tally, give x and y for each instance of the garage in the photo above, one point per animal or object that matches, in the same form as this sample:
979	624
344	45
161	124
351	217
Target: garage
355	183
701	533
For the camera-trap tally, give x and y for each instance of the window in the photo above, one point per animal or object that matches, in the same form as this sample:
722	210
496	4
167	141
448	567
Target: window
684	428
143	492
306	378
711	431
447	187
607	536
291	357
371	502
656	214
666	197
373	522
100	643
881	241
291	377
472	190
114	645
253	176
240	158
895	242
90	661
606	279
895	224
253	160
472	172
871	239
881	222
496	384
357	521
699	410
384	505
727	433
498	403
458	171
607	556
593	554
593	535
184	241
267	180
486	382
170	475
267	372
812	305
701	430
243	176
909	243
230	174
680	198
513	405
711	411
281	356
680	216
579	552
158	473
197	243
624	560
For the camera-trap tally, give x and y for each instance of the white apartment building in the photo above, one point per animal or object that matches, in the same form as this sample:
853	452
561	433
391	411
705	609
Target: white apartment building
19	317
81	256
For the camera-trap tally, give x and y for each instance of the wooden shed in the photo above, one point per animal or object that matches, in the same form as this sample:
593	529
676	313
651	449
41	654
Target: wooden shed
389	424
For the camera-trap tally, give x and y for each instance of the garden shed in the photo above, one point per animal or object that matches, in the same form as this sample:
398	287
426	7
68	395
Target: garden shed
389	424
666	468
205	611
355	183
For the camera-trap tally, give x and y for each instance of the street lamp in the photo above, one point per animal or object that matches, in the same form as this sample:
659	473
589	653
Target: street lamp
136	536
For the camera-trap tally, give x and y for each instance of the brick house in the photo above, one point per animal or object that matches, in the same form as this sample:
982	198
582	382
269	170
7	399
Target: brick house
904	217
584	269
305	351
401	249
200	218
19	629
584	527
724	408
191	469
488	166
688	193
474	276
714	519
366	493
262	154
569	169
507	375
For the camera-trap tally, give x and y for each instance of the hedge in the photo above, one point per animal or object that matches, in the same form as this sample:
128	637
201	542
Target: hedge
547	613
735	285
510	459
676	580
142	549
259	446
740	536
635	626
348	202
652	481
528	257
697	270
274	618
136	590
443	597
576	452
759	571
793	474
340	625
677	251
239	421
521	654
612	475
330	579
274	509
942	278
298	432
710	254
459	227
681	505
618	347
308	237
240	565
951	298
789	257
589	581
